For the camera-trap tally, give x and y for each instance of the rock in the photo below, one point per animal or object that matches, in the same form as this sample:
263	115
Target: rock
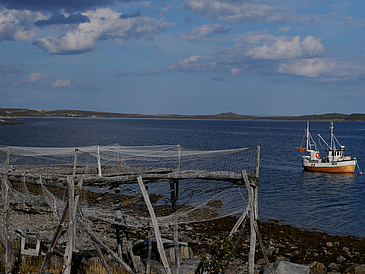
188	267
355	269
286	268
317	268
334	266
281	259
341	258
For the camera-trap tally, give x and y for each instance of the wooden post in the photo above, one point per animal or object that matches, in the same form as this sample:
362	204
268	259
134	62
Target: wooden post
257	169
178	157
120	228
75	163
88	231
256	189
7	235
174	195
98	250
100	254
99	162
251	255
149	243
73	199
118	220
70	231
239	221
155	226
54	241
174	186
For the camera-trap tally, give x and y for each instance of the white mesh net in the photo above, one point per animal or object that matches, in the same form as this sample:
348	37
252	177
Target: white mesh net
184	185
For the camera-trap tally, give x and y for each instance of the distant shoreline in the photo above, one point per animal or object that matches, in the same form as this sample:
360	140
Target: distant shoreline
13	113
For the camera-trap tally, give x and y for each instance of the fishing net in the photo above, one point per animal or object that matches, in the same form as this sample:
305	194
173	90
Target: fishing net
184	185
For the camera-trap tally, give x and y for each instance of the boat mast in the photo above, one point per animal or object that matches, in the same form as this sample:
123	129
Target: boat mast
308	136
333	145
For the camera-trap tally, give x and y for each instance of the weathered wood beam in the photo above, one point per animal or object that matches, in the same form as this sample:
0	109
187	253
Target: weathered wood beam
114	181
228	176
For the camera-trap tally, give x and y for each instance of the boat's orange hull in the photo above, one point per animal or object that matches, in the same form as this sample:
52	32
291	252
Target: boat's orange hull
336	169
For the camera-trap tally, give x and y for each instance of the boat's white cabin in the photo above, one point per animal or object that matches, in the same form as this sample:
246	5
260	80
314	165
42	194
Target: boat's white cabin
336	154
313	155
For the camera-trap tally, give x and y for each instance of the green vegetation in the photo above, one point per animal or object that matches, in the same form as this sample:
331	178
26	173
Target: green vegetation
219	255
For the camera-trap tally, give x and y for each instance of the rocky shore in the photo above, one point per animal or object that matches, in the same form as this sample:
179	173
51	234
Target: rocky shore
322	252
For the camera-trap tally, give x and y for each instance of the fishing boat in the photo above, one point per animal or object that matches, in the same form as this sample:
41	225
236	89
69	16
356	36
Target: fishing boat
333	161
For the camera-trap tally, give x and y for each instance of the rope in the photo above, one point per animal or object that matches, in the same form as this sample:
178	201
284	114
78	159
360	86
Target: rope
320	144
357	164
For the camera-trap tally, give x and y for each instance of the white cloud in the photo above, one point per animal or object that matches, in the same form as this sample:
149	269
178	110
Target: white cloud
291	57
35	77
18	24
327	67
204	31
105	24
238	11
62	83
286	48
284	29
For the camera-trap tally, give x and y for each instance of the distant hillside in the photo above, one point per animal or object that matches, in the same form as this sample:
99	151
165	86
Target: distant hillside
19	113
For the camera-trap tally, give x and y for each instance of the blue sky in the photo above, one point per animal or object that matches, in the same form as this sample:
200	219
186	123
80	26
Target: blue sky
251	57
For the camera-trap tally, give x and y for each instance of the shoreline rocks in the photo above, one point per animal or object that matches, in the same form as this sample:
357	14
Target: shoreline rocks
321	252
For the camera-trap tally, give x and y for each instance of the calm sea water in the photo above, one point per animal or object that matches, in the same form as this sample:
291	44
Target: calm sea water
332	203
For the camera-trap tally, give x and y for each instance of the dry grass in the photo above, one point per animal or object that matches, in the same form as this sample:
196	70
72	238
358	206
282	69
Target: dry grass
26	265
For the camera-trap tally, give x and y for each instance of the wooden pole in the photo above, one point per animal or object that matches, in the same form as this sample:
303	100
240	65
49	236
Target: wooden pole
256	189
54	241
7	235
155	226
73	198
239	221
257	169
118	220
98	250
120	228
102	260
174	194
99	162
149	243
174	185
89	232
251	255
71	224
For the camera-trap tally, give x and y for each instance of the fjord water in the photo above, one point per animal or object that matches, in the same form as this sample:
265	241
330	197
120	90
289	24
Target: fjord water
332	203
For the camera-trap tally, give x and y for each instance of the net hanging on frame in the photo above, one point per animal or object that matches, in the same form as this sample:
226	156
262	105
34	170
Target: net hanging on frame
184	185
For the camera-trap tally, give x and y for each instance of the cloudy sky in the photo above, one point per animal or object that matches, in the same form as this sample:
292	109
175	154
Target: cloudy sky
255	57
